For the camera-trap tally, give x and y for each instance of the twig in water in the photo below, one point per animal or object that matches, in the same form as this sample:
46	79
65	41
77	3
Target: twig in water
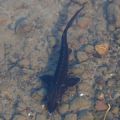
109	107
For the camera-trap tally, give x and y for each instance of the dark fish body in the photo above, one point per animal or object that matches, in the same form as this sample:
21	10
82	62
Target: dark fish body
56	85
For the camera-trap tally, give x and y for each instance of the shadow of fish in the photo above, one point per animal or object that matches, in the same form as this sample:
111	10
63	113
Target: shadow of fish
57	84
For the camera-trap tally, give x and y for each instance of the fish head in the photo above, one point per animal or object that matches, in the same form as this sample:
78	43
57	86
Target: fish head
53	100
51	106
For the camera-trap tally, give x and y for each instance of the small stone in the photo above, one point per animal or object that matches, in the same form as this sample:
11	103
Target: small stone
110	83
25	63
89	49
86	116
78	69
102	49
117	16
85	88
74	44
64	108
52	41
79	104
101	96
111	27
3	21
41	117
71	116
56	117
87	75
84	23
82	56
101	105
115	111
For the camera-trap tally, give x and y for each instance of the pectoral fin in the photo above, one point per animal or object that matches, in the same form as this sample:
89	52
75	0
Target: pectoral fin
47	79
72	81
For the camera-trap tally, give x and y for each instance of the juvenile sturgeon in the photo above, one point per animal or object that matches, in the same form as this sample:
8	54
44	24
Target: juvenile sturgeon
57	84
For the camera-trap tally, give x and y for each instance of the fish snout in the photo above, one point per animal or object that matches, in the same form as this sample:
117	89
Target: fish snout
51	106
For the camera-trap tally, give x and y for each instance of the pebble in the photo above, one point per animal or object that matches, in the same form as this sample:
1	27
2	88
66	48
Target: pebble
25	63
86	116
111	83
101	105
89	49
87	75
101	96
115	111
51	41
56	117
71	116
78	69
82	56
84	22
79	103
102	49
111	28
41	117
85	88
38	95
20	22
117	35
3	21
74	44
64	108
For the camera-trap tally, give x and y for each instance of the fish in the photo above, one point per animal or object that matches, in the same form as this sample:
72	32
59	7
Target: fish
57	84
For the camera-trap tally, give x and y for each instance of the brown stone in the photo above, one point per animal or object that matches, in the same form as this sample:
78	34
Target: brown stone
101	105
84	23
102	49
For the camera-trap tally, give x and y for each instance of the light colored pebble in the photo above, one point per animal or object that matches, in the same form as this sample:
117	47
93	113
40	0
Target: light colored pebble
71	116
82	56
80	103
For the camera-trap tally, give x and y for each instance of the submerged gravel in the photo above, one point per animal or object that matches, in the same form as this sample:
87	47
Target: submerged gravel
30	34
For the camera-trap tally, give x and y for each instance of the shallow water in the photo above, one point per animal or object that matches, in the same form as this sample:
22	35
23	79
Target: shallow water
30	36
